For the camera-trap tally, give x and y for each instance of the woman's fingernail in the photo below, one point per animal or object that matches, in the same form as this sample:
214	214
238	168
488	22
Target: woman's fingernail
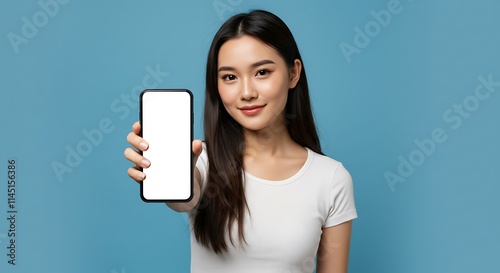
145	163
141	176
143	145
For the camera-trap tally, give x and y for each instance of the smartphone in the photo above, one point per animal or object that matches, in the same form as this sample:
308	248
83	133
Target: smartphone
166	117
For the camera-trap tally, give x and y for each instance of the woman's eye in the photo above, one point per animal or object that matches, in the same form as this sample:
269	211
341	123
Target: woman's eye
262	72
229	77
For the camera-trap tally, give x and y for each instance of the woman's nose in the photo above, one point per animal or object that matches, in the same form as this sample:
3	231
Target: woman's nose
248	91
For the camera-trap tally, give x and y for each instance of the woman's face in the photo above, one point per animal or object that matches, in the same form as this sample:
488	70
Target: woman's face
253	82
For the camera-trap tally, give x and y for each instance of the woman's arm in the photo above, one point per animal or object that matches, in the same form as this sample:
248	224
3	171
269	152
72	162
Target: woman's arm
333	252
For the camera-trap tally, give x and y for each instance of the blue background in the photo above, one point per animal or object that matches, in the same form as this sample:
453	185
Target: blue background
72	74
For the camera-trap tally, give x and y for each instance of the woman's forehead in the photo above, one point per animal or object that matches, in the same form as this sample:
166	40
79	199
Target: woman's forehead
246	50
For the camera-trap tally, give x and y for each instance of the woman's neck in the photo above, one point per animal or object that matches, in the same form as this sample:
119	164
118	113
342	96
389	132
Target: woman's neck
268	141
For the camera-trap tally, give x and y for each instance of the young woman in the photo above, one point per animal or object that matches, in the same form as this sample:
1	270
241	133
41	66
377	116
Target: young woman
266	198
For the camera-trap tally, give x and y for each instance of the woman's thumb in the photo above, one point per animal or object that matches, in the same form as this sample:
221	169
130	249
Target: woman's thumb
197	147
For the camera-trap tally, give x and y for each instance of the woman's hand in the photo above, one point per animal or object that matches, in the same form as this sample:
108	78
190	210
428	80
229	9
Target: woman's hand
134	156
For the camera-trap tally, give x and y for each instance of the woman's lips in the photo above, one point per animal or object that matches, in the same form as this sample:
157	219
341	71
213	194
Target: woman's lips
251	110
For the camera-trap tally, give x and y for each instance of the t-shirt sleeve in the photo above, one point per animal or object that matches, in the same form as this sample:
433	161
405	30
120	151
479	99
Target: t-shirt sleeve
342	207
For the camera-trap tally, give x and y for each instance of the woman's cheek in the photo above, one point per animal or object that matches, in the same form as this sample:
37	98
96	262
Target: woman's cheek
273	88
225	93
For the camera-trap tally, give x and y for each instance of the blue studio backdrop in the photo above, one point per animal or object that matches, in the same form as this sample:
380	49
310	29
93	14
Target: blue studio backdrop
405	93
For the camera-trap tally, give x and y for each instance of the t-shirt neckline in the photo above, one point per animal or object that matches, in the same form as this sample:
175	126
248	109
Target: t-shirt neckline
297	175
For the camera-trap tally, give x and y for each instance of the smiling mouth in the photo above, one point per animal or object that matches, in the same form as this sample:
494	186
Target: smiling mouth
251	109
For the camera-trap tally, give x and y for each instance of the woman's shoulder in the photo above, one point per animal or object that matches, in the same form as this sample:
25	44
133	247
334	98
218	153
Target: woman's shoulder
329	165
324	159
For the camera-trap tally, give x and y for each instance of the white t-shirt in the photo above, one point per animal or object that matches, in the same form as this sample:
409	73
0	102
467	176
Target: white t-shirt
283	228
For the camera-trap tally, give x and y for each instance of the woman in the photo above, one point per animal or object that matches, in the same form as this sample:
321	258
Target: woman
266	199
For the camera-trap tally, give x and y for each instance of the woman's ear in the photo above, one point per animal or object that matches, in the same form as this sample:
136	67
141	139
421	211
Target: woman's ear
295	73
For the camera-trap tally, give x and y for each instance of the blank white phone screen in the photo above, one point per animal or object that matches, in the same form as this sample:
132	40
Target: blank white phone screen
166	126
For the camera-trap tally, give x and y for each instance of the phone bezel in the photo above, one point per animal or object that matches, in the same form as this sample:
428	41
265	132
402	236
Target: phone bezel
191	118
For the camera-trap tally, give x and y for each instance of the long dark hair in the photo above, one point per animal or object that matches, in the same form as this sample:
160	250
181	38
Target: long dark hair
223	201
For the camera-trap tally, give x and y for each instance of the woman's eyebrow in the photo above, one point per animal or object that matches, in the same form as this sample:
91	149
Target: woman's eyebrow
259	63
